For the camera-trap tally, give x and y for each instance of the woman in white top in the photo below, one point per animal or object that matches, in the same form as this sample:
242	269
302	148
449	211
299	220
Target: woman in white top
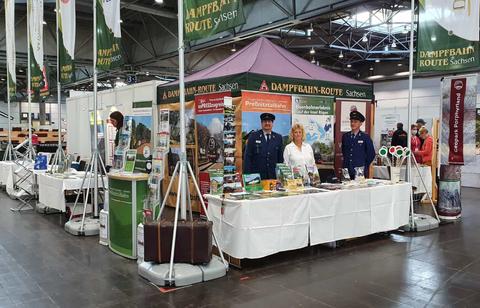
298	155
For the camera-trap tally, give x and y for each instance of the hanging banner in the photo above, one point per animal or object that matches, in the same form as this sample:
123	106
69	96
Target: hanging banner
39	82
445	43
458	119
10	45
108	34
317	115
66	18
204	18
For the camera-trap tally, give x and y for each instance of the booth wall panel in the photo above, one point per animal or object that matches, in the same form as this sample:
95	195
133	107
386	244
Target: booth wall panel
392	98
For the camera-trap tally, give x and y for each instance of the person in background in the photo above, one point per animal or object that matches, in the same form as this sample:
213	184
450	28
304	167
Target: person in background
400	137
116	119
426	150
415	140
357	146
298	155
420	123
263	150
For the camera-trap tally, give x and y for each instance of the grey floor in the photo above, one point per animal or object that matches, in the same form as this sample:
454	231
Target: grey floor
42	266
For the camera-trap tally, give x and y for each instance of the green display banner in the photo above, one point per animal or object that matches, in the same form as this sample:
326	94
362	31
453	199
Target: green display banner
66	35
445	43
124	216
265	83
38	74
10	46
108	33
313	105
204	18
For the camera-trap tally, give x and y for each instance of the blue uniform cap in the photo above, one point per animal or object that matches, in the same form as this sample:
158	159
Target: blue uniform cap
355	115
267	116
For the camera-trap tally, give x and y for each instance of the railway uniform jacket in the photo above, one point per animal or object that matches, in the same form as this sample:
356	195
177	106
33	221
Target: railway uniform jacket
358	151
261	156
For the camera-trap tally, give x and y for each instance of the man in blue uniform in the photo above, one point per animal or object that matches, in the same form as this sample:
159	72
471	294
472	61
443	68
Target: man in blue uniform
357	146
264	149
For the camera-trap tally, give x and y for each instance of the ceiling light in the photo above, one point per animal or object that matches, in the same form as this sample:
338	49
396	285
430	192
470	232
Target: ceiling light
404	31
233	49
147	73
386	48
406	73
349	65
399	64
377	61
159	1
312	61
44	22
3	79
364	38
394	45
20	70
371	68
312	51
434	38
375	77
318	63
340	55
121	21
118	78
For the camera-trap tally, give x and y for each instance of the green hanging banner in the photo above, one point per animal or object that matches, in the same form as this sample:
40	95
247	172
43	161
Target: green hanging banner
10	46
66	35
108	33
445	42
38	73
204	18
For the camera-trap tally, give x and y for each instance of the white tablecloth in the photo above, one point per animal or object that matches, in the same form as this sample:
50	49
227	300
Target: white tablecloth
352	213
258	228
381	172
51	189
5	167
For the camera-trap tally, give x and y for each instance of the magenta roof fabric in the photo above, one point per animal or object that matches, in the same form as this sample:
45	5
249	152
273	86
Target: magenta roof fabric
266	58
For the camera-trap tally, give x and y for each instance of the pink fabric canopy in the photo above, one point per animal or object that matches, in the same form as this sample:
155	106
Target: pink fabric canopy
265	58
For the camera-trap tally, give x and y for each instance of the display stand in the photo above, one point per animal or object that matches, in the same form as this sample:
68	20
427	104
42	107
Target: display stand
422	222
181	274
125	211
90	226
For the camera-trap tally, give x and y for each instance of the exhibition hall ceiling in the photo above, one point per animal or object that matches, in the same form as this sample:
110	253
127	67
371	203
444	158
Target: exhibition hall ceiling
360	39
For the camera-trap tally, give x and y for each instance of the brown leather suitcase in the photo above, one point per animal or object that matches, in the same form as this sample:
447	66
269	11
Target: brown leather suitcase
193	243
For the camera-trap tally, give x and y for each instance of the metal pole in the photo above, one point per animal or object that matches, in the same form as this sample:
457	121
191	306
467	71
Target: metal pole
59	87
181	77
9	146
29	86
95	107
410	102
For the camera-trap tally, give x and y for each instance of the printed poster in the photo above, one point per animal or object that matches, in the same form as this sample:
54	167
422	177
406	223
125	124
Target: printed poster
209	123
346	108
317	115
140	139
388	124
253	104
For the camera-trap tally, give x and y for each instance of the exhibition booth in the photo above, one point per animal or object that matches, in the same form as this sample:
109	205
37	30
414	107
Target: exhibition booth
251	217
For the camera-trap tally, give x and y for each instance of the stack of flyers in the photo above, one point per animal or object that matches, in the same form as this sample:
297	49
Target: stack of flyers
232	183
118	159
130	158
216	181
229	136
284	173
252	182
163	140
